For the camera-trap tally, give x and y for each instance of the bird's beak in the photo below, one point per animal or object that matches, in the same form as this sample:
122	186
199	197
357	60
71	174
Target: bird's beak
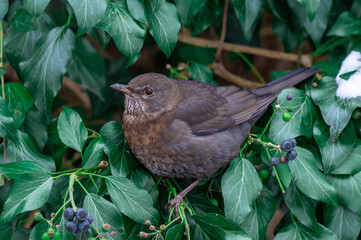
121	88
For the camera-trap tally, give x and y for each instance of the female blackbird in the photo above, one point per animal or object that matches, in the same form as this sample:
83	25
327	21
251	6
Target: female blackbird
190	129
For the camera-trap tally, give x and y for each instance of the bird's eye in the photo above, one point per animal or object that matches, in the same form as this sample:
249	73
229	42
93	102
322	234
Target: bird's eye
148	91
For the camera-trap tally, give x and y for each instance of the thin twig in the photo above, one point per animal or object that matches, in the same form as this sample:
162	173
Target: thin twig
2	79
223	33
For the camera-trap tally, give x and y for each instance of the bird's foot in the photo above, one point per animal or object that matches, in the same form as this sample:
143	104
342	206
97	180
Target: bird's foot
174	204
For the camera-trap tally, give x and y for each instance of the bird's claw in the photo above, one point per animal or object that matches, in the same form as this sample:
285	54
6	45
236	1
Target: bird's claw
174	204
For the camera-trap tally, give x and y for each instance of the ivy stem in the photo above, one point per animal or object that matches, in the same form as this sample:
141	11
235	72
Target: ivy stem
68	21
185	197
94	183
2	78
173	221
93	174
82	186
71	190
61	208
95	132
277	177
252	67
268	123
155	186
293	219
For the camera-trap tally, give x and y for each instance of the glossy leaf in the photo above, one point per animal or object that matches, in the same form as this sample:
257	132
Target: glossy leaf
175	233
15	170
300	232
7	126
104	211
201	72
352	163
131	200
43	72
27	193
164	25
285	175
38	230
311	7
248	13
187	9
35	7
22	21
303	117
240	188
72	131
136	9
205	18
347	24
120	157
88	13
93	153
127	33
55	147
143	179
4	7
35	125
309	179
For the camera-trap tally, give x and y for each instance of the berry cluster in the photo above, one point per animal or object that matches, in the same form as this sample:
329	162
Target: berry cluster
291	153
78	222
51	234
286	115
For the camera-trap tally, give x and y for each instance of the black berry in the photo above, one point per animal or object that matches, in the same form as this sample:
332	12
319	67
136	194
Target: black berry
278	102
294	142
274	161
291	155
71	226
81	214
289	97
69	214
77	232
286	145
284	160
84	226
90	219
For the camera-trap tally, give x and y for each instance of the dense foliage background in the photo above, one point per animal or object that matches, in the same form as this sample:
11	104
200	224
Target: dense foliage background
57	112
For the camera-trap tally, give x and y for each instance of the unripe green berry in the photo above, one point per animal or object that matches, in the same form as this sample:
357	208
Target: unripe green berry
286	117
39	216
57	236
45	236
214	201
263	174
92	238
290	108
356	114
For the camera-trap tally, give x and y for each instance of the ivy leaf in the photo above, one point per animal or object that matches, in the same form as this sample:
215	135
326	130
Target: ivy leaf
284	173
335	111
311	7
44	71
4	7
104	211
205	18
93	153
28	193
309	179
5	229
143	179
347	75
88	68
88	13
120	157
201	72
300	232
164	25
334	153
136	9
240	188
175	233
22	21
188	9
301	206
72	131
217	227
348	188
248	13
18	100
127	33
352	163
346	24
257	220
39	230
35	7
15	170
35	125
303	117
342	222
7	127
131	200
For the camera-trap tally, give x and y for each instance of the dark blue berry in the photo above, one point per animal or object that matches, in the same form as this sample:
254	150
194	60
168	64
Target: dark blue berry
294	142
286	146
291	155
71	226
90	219
284	160
274	161
84	226
81	214
69	214
289	97
278	102
77	232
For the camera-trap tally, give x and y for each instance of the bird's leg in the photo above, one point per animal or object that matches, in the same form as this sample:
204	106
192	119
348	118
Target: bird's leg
175	202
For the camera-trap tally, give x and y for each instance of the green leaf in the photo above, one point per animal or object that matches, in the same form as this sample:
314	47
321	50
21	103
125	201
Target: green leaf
240	188
35	125
311	7
300	232
55	147
248	13
7	127
93	153
4	7
175	233
136	9
22	21
216	227
257	220
104	211
15	170
44	71
309	179
2	71
88	68
201	72
303	117
333	153
335	111
346	25
201	203
18	100
88	13
120	157
348	188
285	175
342	222
301	206
144	180
72	131
187	9
131	200
205	18
164	25
38	230
28	193
347	75
5	229
127	33
288	36
352	163
36	7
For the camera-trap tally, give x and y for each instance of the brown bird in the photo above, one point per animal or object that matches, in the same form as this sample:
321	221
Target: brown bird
190	129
